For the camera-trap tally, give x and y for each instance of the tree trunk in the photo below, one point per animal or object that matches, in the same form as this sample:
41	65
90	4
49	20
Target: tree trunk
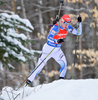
29	44
42	32
40	19
94	39
25	68
14	6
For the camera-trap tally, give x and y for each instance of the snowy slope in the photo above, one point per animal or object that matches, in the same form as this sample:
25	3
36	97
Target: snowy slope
57	90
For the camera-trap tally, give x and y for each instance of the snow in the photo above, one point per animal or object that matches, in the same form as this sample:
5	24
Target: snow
14	39
82	89
16	42
11	32
15	17
19	7
10	66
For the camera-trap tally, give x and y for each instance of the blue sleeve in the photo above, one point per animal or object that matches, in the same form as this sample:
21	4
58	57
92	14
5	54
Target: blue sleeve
53	31
70	27
74	30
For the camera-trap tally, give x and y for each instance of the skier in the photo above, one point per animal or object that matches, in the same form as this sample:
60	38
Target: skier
55	39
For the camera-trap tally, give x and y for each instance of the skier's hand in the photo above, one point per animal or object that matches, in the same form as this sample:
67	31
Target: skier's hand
60	41
79	19
55	21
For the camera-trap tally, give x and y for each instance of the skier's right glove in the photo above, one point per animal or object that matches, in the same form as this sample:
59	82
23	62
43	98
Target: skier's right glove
60	41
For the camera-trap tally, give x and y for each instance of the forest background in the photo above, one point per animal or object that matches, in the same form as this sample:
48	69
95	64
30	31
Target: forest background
41	14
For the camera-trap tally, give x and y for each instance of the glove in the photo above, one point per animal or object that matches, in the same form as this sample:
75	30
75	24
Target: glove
55	21
60	41
79	19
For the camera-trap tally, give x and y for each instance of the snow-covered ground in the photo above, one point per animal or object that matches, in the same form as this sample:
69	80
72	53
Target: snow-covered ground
58	90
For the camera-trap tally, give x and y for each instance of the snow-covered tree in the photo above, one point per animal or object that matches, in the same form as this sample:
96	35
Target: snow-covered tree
11	41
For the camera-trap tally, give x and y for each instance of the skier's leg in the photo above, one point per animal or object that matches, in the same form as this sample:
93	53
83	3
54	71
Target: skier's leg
46	50
60	58
37	71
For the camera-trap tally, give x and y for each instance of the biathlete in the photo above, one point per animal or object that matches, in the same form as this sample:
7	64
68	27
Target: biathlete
55	39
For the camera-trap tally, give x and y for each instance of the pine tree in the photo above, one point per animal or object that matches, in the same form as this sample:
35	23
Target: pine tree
11	42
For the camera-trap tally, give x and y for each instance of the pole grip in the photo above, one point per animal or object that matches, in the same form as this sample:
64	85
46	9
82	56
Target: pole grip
62	1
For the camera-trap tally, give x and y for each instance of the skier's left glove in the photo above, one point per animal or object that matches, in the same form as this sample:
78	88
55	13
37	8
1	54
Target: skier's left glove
60	41
79	19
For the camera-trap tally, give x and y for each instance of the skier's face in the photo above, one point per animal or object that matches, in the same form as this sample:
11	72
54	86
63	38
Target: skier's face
64	25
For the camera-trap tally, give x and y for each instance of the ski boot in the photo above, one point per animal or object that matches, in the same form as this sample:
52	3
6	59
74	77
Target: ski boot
61	77
28	82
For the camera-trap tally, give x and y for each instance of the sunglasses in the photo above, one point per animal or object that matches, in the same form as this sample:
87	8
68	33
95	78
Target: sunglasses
66	23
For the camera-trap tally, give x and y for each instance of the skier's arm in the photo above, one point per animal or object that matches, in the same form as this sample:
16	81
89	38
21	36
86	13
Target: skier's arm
52	33
78	30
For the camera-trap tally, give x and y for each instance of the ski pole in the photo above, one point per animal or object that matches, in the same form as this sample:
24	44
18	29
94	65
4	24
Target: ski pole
42	61
61	3
57	16
75	52
36	68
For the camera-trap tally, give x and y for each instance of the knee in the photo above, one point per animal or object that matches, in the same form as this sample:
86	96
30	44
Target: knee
63	66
